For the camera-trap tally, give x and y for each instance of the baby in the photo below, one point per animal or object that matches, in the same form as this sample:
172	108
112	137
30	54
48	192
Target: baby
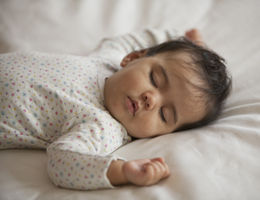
81	109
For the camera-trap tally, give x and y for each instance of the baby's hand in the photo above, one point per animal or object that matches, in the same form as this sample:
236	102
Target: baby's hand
195	36
146	171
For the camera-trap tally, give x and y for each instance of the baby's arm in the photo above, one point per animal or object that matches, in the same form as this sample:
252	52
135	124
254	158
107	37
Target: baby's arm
139	172
80	158
116	48
76	160
76	164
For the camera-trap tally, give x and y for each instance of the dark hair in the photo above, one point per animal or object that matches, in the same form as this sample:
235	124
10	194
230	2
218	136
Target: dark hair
212	71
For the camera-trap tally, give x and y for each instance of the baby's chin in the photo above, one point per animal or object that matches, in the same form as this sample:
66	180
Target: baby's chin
139	134
133	132
136	134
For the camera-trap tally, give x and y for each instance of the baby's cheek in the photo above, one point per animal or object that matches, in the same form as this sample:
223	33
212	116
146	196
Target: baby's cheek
146	128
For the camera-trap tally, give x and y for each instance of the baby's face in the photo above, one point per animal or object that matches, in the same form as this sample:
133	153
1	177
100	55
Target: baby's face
153	96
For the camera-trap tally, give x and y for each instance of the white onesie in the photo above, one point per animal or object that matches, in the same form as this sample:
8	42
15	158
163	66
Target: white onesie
56	102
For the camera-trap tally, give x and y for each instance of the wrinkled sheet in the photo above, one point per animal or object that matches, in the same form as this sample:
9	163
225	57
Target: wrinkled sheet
218	161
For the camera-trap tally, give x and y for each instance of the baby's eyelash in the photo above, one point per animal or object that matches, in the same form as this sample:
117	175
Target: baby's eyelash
162	116
152	79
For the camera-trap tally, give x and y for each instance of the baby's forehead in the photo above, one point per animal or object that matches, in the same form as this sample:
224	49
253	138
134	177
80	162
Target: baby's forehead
182	66
182	63
185	58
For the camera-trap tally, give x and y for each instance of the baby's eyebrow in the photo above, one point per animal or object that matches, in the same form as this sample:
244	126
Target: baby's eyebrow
164	73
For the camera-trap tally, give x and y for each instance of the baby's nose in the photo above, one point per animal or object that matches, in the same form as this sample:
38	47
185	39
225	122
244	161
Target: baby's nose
149	100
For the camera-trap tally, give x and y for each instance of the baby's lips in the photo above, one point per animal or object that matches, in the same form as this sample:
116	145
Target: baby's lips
136	106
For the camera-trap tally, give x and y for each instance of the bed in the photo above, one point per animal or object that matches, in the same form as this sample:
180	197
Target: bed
218	161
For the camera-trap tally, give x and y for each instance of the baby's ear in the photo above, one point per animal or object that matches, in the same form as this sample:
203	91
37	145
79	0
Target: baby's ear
133	56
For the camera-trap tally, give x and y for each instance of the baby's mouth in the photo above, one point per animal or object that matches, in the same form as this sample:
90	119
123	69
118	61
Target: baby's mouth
132	105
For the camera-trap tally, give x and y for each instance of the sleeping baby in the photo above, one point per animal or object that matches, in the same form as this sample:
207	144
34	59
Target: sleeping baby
81	109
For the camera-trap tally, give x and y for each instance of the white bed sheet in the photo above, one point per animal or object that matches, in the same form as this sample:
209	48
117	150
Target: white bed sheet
219	161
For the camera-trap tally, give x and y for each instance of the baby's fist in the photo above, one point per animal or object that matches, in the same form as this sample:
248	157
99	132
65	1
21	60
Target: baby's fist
146	171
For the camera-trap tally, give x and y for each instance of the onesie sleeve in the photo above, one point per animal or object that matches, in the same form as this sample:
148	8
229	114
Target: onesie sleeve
116	48
80	159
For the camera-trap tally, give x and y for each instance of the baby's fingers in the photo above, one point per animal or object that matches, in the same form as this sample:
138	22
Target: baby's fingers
155	171
162	166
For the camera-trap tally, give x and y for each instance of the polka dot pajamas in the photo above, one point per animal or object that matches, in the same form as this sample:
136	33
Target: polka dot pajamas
55	102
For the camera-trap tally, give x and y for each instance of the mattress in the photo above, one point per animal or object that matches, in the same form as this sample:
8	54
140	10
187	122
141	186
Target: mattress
218	161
